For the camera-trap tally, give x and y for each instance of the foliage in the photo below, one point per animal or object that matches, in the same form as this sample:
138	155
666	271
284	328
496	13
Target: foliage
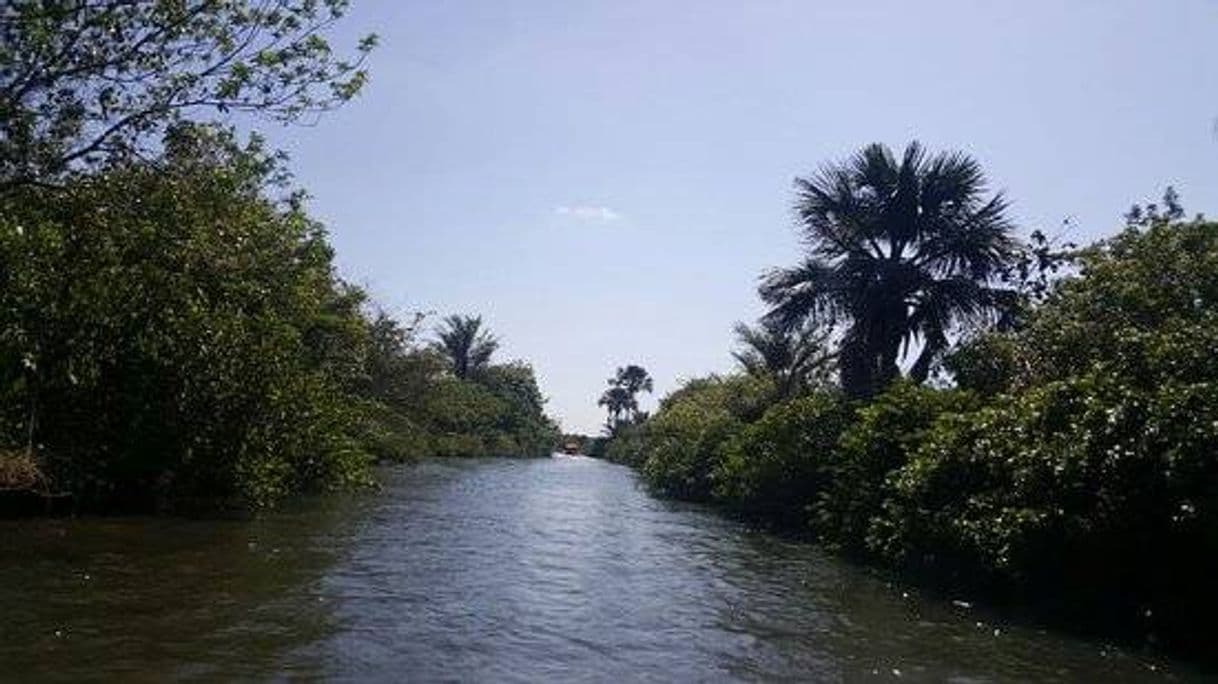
598	447
621	399
86	82
1094	470
879	440
779	464
900	252
682	443
794	360
524	428
466	344
20	472
624	446
1143	307
1074	465
1090	484
172	331
494	410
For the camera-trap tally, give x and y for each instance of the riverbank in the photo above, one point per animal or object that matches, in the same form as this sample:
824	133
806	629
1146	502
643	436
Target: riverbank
1070	467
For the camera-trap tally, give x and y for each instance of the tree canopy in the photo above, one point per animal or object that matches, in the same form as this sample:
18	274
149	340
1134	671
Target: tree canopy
466	344
794	359
899	252
86	82
621	398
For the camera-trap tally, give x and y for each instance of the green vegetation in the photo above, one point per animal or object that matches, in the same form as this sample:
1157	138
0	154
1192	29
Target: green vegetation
83	83
172	329
1065	456
621	400
796	361
466	346
898	252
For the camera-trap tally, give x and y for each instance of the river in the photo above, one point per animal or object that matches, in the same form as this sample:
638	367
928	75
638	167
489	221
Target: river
559	569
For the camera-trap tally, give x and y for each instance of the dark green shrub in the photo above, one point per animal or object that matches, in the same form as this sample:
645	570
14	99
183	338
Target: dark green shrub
778	465
174	332
1094	475
1088	484
879	439
626	444
683	441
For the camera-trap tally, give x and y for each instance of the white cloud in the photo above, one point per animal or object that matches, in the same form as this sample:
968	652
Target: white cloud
585	212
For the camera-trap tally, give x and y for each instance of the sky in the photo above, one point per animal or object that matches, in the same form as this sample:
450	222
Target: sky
604	181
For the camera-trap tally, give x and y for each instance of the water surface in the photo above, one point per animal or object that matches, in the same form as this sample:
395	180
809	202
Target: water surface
558	569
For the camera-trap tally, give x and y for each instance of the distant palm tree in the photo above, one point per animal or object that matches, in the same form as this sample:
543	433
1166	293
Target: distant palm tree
466	344
633	378
793	358
621	399
899	253
618	402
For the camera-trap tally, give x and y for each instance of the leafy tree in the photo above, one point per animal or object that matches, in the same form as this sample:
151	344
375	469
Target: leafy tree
499	414
680	449
900	253
83	82
794	359
779	464
172	332
621	399
1091	469
879	440
466	344
616	401
422	410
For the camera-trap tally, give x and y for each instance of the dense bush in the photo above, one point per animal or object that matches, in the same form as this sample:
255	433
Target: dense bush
779	464
1096	471
1075	465
879	439
423	409
497	414
175	332
683	443
172	330
1087	484
625	446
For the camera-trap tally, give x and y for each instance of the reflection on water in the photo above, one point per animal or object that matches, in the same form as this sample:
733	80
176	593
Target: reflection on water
559	569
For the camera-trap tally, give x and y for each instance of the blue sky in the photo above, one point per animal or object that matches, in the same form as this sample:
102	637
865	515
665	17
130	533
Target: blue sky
604	181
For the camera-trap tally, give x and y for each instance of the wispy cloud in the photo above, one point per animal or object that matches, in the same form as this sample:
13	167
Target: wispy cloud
587	212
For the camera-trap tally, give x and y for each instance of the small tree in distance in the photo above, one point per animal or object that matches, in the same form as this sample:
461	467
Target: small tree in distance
621	399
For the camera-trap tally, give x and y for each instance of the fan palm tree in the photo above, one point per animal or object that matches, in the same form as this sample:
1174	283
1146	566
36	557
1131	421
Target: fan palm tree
466	344
793	359
633	378
899	254
618	402
621	399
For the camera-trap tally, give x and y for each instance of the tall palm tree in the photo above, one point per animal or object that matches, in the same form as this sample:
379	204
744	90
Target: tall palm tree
618	402
633	378
621	399
793	358
467	345
899	254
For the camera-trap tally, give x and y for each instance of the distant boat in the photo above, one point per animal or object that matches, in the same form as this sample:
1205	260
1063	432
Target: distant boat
571	447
